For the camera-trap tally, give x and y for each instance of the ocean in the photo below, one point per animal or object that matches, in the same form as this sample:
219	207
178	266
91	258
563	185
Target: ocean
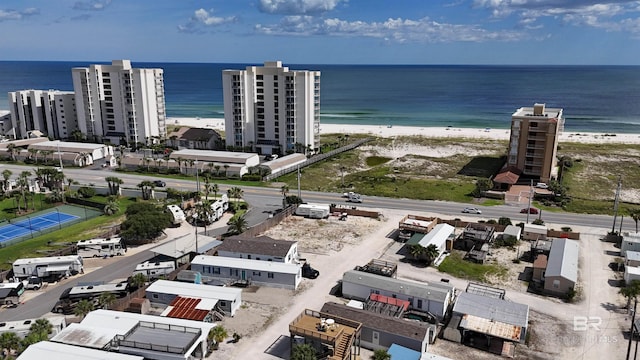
594	98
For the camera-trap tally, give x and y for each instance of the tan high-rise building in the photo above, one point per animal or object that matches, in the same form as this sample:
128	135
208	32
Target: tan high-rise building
534	141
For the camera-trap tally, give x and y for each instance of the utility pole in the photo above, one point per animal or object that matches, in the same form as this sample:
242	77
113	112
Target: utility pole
299	192
530	197
615	204
633	319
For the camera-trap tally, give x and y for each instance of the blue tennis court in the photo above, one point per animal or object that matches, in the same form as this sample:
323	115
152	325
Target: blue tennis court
36	223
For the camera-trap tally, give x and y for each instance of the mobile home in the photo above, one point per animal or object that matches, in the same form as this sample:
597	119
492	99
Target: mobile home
314	211
177	215
48	266
154	270
10	293
101	247
227	299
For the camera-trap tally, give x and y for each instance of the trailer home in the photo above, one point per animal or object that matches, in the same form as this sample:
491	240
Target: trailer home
11	293
313	211
101	247
44	267
154	270
177	215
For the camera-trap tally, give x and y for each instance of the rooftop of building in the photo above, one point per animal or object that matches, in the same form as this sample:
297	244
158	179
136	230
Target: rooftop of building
263	245
186	244
200	291
423	290
563	259
57	351
249	264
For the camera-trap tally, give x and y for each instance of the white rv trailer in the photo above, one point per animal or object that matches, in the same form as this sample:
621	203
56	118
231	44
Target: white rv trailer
22	328
71	296
153	270
48	266
218	208
101	247
177	215
314	211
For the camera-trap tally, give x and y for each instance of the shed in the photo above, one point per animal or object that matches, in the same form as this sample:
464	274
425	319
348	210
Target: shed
534	232
437	236
512	230
630	242
632	258
561	274
539	267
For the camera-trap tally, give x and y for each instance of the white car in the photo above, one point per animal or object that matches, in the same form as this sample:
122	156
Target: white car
471	210
542	186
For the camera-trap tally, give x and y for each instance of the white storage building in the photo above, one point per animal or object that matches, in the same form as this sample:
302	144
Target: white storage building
228	299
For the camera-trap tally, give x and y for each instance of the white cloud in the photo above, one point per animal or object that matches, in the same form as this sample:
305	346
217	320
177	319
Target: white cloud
17	15
297	7
94	5
396	30
615	15
203	18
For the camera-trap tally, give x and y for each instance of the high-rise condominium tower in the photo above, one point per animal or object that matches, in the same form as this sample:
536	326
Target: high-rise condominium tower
50	112
119	103
272	109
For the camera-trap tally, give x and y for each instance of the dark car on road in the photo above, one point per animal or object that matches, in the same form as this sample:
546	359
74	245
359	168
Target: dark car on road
309	272
530	210
159	183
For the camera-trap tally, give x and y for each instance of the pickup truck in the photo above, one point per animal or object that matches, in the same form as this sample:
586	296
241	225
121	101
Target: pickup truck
352	197
309	272
32	283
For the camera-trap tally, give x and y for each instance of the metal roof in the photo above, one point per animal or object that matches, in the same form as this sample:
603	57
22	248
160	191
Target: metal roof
423	290
195	290
49	260
493	309
563	259
125	321
91	336
187	308
262	245
633	255
186	244
491	327
56	351
248	264
437	236
215	156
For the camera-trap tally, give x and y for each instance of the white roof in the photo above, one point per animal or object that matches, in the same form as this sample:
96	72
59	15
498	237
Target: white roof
633	255
538	229
185	244
95	337
125	321
631	237
48	260
217	156
66	146
56	351
113	240
633	270
199	291
512	230
154	265
437	236
248	264
563	259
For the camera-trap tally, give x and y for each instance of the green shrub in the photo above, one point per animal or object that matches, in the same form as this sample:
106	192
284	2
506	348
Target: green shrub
86	192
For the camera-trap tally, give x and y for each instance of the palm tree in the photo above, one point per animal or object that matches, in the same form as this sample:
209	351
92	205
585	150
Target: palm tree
12	150
217	167
138	280
33	154
226	169
111	207
180	162
237	225
417	251
632	290
285	190
147	161
83	307
304	352
208	188
23	182
41	327
381	354
218	334
635	215
147	187
106	299
204	212
214	190
236	193
431	252
114	184
9	341
6	175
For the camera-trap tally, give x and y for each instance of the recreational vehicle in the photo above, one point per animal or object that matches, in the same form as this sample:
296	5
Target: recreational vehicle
154	270
45	267
22	328
10	293
71	296
177	215
101	247
314	211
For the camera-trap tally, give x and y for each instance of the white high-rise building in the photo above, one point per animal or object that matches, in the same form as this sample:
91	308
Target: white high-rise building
271	109
119	103
50	112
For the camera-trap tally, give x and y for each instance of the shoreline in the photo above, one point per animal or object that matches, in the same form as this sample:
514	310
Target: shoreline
428	132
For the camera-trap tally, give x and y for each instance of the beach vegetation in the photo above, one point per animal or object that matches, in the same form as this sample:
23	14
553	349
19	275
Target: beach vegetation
377	160
455	265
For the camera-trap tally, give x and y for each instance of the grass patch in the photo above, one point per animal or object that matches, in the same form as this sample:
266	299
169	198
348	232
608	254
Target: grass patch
8	206
377	160
456	266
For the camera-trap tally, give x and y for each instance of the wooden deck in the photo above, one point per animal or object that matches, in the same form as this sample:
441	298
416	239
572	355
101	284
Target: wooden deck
336	332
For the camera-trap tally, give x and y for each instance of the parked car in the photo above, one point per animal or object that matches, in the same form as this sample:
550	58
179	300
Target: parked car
33	283
159	183
309	272
530	210
542	186
471	210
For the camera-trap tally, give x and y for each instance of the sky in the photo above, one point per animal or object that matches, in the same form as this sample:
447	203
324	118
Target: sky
498	32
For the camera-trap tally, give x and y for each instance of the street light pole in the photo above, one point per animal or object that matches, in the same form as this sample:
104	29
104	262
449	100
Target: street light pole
299	192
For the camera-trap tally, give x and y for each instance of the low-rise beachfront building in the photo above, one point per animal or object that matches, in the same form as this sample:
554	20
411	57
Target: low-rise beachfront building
149	336
433	298
195	138
183	248
249	271
259	248
50	112
227	162
534	138
226	300
561	274
533	232
272	109
437	237
74	153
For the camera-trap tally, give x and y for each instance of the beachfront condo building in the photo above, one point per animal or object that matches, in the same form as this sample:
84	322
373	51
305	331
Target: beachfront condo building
121	104
272	110
36	113
534	141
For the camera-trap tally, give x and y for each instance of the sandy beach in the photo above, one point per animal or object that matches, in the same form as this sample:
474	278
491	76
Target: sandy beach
434	132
